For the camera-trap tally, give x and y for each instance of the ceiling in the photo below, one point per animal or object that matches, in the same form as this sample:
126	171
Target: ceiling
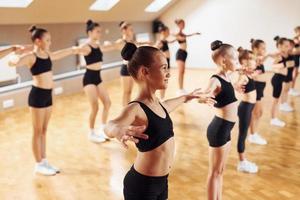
73	11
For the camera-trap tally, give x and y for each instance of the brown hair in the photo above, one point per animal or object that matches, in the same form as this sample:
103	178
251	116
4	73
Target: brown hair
90	25
37	33
123	25
280	40
255	43
244	54
138	56
219	49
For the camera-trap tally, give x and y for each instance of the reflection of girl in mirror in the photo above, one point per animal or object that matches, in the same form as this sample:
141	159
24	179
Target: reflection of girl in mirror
128	35
92	80
39	61
181	54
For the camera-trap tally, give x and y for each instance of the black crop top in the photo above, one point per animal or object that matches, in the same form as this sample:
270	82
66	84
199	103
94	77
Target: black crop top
250	86
94	56
41	65
165	46
226	95
159	130
182	41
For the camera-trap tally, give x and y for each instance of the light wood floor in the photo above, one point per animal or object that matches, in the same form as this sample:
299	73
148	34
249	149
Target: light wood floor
95	171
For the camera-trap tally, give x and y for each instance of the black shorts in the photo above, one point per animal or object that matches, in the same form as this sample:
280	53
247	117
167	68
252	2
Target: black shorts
124	70
39	97
141	187
289	76
277	81
219	132
260	87
297	61
181	55
92	77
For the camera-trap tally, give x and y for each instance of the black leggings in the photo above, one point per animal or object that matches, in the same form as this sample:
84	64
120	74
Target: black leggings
140	187
244	113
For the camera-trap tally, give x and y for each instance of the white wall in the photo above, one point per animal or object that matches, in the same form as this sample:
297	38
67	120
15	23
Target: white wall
232	21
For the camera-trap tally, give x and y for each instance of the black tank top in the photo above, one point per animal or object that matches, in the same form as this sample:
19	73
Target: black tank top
159	130
94	56
41	65
226	95
165	46
250	86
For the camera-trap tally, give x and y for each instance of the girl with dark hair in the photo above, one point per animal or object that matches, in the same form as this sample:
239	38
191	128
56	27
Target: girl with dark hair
181	54
219	130
94	90
146	122
39	61
259	52
248	100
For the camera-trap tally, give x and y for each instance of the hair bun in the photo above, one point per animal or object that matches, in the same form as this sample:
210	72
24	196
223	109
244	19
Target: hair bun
252	40
121	23
276	38
216	44
240	49
89	22
32	28
128	51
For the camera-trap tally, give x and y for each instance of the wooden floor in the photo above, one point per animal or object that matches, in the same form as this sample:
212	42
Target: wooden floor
95	171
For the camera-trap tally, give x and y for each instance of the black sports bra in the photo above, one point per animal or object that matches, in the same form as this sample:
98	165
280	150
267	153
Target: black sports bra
165	46
159	130
226	95
41	65
94	56
250	86
182	41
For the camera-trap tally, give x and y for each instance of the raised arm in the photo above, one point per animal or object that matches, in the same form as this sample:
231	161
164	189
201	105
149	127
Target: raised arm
122	129
204	97
23	60
108	46
64	53
192	34
7	51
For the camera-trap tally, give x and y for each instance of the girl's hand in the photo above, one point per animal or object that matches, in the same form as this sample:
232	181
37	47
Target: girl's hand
131	133
207	98
192	95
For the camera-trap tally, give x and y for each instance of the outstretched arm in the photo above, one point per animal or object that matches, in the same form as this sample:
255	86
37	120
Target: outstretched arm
192	34
21	61
122	129
204	97
57	55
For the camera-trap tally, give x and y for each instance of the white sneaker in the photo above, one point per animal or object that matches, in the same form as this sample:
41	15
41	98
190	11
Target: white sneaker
101	132
277	122
247	166
95	138
181	92
46	163
40	168
294	92
256	139
285	107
